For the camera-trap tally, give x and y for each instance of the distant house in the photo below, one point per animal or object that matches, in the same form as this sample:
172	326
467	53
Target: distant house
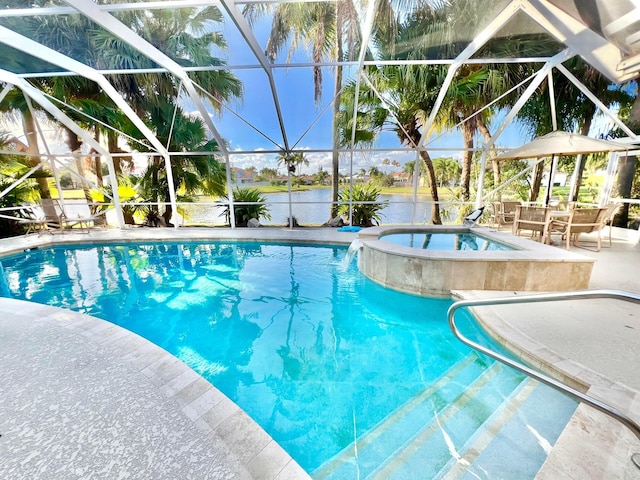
16	144
400	178
306	179
559	179
242	176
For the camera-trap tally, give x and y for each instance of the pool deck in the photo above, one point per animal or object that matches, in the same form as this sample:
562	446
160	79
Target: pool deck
82	397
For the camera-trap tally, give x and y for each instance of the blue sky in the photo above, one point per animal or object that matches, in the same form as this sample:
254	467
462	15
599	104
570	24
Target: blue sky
295	93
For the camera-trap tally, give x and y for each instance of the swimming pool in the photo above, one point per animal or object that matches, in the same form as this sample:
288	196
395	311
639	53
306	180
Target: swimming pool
342	372
445	241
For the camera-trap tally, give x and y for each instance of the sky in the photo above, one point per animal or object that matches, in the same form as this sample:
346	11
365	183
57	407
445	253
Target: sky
294	87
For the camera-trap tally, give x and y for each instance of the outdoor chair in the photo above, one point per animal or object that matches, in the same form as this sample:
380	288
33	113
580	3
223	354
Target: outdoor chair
581	220
504	213
533	219
45	219
53	218
471	219
612	209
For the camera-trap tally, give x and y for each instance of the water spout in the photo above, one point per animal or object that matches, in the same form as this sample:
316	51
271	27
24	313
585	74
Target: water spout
351	253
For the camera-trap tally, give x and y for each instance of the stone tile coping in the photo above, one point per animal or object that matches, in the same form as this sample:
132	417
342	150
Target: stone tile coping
578	352
82	397
324	236
526	248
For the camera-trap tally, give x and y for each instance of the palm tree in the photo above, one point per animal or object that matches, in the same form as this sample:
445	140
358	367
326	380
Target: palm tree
447	169
192	174
321	177
292	160
409	94
330	29
15	103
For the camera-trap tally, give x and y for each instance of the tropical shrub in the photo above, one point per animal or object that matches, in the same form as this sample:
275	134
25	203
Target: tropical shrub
127	192
242	213
25	193
363	214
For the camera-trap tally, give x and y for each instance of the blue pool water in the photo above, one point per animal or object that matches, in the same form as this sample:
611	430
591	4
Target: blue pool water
445	241
318	356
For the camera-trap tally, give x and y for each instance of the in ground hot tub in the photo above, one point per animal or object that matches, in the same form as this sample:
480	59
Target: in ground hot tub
434	260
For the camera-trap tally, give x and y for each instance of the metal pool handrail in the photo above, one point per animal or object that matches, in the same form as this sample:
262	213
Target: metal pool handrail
550	297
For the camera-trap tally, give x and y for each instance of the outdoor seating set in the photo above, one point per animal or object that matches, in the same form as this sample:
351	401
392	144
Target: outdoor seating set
52	217
542	222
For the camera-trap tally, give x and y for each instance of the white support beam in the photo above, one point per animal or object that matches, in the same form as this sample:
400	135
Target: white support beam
276	66
480	39
483	169
597	102
365	35
5	91
245	30
612	168
552	101
32	92
535	83
595	49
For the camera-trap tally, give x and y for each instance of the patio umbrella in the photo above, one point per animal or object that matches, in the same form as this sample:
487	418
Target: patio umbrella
560	143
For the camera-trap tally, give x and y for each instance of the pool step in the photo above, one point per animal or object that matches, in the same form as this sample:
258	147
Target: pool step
525	428
383	440
438	441
501	411
460	428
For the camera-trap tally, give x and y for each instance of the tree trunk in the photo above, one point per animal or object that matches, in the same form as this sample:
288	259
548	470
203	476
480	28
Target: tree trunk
29	127
626	170
468	130
586	126
168	212
431	173
112	141
335	159
98	161
495	165
537	181
624	183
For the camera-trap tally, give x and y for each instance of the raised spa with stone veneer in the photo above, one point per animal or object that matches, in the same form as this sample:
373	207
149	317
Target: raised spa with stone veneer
410	260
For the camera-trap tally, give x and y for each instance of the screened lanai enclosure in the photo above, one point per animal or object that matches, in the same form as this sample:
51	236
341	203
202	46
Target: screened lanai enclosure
173	112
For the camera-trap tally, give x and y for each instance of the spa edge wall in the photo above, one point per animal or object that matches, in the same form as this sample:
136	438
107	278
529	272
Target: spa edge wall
532	267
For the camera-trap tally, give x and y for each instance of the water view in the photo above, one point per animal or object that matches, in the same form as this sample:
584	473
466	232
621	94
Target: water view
311	207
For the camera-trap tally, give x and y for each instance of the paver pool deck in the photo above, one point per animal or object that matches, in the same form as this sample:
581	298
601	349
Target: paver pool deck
83	398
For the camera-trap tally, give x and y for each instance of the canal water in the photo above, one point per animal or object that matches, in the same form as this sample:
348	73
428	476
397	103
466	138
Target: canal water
312	207
309	207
